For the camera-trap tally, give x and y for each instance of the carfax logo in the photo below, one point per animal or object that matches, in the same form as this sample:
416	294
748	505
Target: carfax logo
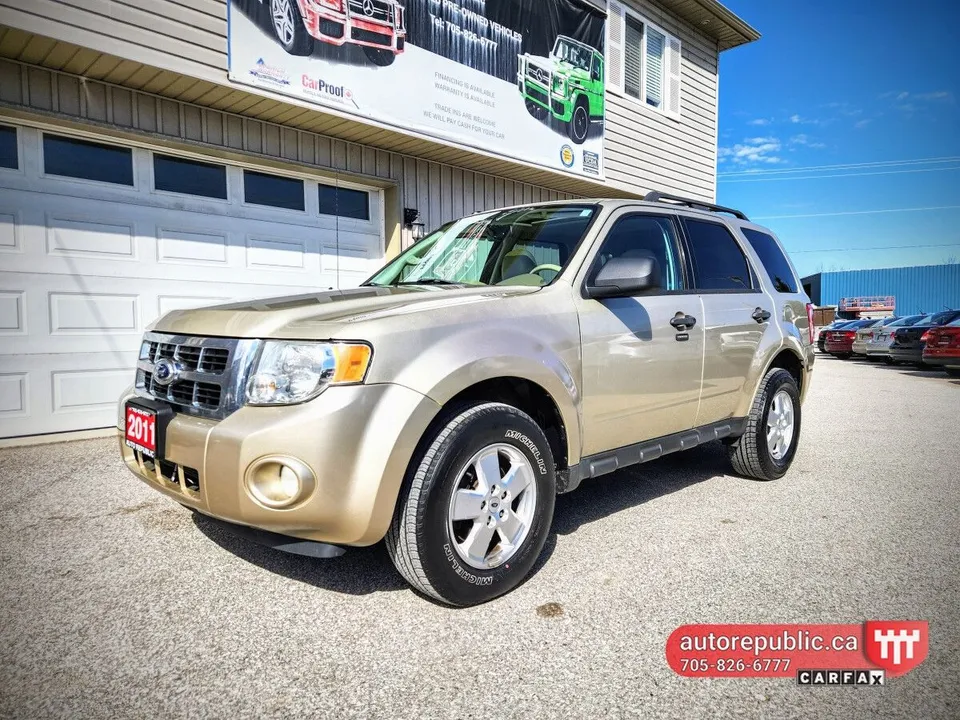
269	73
320	88
566	156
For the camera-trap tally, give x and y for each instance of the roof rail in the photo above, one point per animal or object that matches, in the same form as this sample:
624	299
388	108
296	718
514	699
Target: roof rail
657	196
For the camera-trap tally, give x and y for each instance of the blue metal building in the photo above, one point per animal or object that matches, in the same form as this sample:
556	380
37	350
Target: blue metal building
923	288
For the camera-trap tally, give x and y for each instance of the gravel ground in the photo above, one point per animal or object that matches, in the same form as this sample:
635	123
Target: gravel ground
117	602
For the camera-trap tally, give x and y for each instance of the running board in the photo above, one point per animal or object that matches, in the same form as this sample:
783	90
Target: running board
613	460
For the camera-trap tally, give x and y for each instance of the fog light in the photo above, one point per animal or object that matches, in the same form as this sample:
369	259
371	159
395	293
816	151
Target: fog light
279	482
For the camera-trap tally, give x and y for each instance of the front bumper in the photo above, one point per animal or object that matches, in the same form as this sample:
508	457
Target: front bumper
337	28
358	441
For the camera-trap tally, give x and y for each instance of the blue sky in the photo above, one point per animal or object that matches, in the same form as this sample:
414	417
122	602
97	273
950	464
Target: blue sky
871	84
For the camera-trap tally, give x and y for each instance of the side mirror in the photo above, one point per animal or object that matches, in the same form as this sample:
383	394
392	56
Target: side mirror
625	276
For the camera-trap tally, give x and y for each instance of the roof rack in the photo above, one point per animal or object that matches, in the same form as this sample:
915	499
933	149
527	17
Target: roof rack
656	196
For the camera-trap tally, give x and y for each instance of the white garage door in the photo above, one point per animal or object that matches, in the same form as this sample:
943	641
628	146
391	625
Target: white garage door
98	239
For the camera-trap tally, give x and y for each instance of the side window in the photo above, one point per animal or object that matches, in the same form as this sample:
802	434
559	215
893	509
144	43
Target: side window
773	260
636	235
718	262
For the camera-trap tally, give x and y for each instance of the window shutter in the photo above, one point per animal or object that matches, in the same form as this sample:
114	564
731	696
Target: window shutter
673	77
633	58
656	42
616	16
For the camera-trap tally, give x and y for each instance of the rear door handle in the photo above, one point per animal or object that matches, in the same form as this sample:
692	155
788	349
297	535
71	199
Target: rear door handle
760	315
681	320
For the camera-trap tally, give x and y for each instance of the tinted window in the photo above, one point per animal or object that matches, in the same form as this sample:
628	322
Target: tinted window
773	260
640	235
87	160
943	318
344	202
8	147
189	177
281	192
718	262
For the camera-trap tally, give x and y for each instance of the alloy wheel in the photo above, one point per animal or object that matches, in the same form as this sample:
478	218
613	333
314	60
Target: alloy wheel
282	13
492	507
780	424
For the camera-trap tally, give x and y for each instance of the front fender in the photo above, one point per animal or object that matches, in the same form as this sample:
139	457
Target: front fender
464	359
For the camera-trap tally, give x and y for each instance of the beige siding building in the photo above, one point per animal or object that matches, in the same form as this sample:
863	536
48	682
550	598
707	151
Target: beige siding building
138	176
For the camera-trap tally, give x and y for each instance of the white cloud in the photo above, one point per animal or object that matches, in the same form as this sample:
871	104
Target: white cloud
803	139
795	119
759	121
863	123
753	151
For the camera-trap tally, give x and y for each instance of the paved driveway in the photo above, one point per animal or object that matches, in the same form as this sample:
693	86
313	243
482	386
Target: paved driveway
116	602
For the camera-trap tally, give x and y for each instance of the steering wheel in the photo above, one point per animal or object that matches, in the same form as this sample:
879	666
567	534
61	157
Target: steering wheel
545	266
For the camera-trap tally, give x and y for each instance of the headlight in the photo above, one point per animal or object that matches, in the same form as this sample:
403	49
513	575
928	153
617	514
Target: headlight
294	372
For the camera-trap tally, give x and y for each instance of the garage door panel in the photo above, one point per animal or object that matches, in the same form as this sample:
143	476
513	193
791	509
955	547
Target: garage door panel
9	231
181	246
60	393
78	237
13	319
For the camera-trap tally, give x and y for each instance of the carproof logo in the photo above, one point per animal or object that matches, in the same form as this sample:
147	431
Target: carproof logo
318	86
567	156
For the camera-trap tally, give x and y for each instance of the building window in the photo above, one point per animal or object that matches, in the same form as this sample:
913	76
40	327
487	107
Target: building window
273	190
718	262
773	260
87	160
189	177
8	147
344	202
643	61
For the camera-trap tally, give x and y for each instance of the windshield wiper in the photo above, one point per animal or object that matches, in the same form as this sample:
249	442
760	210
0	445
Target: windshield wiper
429	281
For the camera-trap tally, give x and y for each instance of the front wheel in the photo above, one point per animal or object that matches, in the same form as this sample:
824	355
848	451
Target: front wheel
579	124
380	58
765	451
476	507
289	28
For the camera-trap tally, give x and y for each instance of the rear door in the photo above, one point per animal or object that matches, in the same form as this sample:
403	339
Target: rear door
736	313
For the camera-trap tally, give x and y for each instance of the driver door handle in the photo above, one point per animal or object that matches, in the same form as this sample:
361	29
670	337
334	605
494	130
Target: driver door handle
760	315
683	321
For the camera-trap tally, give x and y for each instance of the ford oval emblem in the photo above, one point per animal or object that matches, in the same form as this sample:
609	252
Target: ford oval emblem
166	371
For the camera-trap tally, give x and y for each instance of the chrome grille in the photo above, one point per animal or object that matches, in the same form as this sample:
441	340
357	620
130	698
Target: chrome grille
382	11
541	75
209	373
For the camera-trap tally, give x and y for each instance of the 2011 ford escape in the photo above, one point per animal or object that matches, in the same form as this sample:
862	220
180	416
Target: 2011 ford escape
505	358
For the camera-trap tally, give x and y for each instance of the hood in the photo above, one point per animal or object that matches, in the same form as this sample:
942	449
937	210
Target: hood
325	315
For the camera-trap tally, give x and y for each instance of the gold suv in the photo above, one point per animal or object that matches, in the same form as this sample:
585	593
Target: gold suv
503	359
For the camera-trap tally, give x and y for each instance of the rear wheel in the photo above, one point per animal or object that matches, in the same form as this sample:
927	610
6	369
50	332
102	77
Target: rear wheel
289	28
476	507
765	451
381	58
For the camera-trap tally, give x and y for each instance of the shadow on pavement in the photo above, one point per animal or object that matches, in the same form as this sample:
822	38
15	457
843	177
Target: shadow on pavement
362	571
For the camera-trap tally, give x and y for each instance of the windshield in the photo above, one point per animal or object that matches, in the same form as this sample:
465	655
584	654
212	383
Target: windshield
906	321
519	246
574	54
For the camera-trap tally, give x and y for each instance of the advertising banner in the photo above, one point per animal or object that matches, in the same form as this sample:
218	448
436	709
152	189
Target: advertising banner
523	79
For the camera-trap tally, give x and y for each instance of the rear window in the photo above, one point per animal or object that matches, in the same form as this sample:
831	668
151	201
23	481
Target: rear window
773	260
942	318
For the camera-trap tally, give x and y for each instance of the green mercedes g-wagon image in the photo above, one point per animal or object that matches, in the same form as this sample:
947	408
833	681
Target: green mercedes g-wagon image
567	85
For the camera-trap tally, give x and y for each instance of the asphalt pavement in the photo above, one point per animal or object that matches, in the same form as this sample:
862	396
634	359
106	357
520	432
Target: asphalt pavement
117	602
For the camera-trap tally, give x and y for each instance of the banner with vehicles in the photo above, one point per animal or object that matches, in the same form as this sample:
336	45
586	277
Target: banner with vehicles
523	79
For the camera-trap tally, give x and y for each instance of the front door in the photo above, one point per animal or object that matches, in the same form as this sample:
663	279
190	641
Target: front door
641	375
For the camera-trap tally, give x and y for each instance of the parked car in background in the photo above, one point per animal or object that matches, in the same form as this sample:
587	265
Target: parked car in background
943	347
878	346
835	325
839	342
909	342
867	332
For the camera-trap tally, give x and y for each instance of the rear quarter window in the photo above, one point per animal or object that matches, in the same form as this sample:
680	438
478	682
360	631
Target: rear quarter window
773	260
